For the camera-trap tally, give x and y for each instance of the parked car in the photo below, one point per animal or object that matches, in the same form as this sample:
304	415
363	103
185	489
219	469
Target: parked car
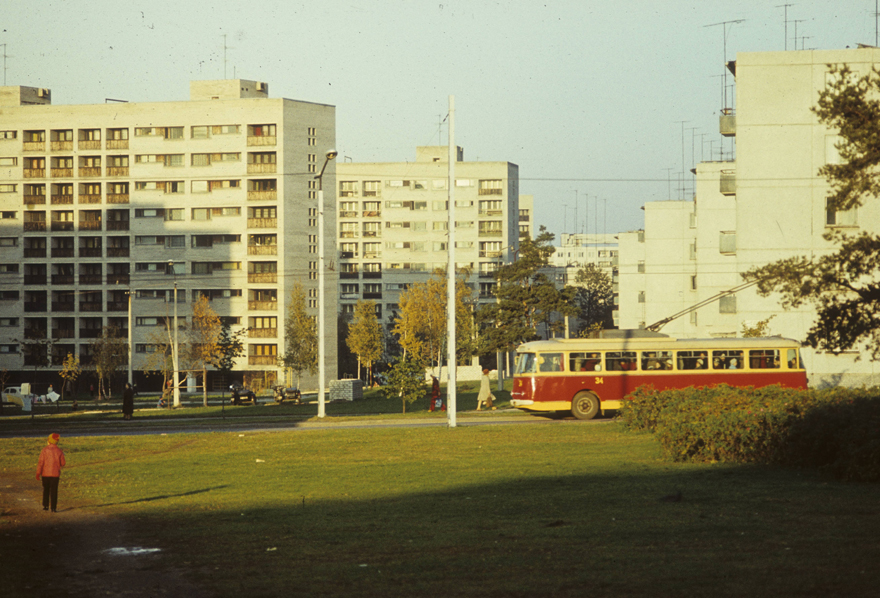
242	394
287	394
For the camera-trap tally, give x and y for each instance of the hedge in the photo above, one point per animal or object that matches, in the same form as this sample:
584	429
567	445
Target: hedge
836	430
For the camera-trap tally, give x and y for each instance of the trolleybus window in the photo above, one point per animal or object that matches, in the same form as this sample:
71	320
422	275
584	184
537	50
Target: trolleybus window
585	362
764	359
620	360
794	361
656	360
550	362
526	363
693	360
727	360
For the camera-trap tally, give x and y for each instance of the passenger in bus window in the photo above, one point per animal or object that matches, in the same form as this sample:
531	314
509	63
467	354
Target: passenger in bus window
701	361
733	364
593	363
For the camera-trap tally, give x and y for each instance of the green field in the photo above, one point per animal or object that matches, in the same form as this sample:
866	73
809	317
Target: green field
560	509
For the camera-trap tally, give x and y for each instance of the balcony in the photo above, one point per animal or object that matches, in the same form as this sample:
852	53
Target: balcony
490	254
63	333
262	140
62	199
38	226
89	278
63	278
117	171
261	169
34	146
117	144
372	295
90	225
90	333
90	172
63	306
728	182
727	123
30	279
491	212
491	191
349	275
262	332
349	234
117	224
34	173
262	223
90	252
372	275
62	252
62	226
89	199
262	195
262	360
61	146
35	306
34	199
90	306
490	233
348	214
262	305
116	306
118	252
372	233
117	198
89	144
118	278
262	250
34	252
260	277
372	214
62	173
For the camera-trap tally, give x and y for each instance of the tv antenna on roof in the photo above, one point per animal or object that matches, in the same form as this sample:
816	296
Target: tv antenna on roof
785	20
724	27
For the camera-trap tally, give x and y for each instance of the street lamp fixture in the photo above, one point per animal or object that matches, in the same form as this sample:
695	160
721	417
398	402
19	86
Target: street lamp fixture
330	155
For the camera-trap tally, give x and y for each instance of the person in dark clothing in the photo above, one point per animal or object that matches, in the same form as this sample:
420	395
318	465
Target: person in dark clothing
127	401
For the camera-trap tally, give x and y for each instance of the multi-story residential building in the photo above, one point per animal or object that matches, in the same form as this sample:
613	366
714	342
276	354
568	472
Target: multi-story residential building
214	196
393	222
768	205
575	251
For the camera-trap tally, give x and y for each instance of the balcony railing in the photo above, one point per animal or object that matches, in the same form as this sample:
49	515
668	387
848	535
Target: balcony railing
490	233
60	146
62	173
372	275
89	278
262	360
89	332
62	199
35	279
90	306
491	212
90	252
262	222
117	306
63	333
349	234
89	198
89	171
117	144
349	275
118	278
89	225
261	168
34	173
62	226
262	250
118	252
117	171
35	227
262	140
262	195
117	224
728	182
34	146
372	214
62	278
63	306
62	252
491	191
372	295
259	277
262	332
348	214
727	124
262	305
89	144
34	252
35	306
117	198
372	233
34	199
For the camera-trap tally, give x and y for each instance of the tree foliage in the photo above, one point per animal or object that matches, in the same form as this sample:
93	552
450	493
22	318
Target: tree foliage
405	380
365	338
70	371
594	298
526	298
300	336
230	346
201	347
843	285
109	353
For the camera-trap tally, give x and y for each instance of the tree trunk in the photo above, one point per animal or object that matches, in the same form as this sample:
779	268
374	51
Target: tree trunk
205	388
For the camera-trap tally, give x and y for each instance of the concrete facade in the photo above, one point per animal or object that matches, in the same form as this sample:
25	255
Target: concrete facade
99	200
767	205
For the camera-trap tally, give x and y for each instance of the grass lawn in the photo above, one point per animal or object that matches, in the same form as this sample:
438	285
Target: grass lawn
562	509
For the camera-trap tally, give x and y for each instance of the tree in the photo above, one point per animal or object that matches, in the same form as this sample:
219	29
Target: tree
300	337
109	353
760	329
70	371
230	346
843	285
201	347
594	298
365	336
527	298
406	380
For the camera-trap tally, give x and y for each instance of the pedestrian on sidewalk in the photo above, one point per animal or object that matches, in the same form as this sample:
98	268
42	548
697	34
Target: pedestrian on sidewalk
485	395
49	469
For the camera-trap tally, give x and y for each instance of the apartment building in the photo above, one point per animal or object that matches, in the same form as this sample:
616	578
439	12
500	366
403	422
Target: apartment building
767	205
214	196
393	222
577	250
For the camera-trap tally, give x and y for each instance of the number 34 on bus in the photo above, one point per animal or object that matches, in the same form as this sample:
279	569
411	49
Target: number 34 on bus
585	376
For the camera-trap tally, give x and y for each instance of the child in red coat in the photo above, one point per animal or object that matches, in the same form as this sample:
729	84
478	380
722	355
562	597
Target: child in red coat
49	469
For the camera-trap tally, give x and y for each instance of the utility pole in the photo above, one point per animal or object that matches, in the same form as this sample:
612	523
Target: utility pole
452	361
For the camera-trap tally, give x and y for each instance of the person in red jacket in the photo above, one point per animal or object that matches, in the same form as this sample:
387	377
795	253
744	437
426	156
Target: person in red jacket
49	469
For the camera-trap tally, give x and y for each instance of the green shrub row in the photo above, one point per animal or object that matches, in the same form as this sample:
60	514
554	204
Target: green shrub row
836	430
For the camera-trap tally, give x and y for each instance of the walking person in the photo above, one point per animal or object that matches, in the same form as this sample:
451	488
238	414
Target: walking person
127	401
49	469
485	395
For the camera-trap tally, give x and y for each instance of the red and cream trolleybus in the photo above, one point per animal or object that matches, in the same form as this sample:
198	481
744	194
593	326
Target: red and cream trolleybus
585	376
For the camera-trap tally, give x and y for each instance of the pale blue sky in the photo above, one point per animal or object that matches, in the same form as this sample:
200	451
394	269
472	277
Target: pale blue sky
568	90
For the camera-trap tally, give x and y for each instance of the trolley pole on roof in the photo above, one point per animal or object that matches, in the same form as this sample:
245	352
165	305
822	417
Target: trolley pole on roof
450	275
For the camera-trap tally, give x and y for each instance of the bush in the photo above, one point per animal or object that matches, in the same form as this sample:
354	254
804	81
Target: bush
836	430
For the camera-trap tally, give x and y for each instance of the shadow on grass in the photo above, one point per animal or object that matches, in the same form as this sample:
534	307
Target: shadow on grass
155	498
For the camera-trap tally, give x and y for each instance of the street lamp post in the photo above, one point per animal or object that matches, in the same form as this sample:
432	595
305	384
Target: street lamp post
330	155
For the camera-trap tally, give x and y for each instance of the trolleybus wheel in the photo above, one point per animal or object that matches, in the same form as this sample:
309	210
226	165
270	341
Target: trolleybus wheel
585	405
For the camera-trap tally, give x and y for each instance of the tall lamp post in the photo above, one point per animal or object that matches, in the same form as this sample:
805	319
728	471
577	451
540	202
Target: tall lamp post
330	155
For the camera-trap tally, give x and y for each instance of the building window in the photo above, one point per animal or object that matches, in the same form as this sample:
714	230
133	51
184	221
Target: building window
491	187
841	218
372	188
641	296
641	267
727	304
727	242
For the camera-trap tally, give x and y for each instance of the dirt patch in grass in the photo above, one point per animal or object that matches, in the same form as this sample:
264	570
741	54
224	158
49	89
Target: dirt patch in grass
71	552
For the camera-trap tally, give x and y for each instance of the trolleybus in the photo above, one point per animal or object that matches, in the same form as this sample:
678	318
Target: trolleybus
585	376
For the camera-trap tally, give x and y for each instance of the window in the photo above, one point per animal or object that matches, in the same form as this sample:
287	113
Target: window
34	136
840	218
641	296
264	212
641	267
209	159
727	242
8	268
764	359
174	214
727	360
8	188
149	321
491	187
164	159
693	360
347	188
8	134
727	304
656	360
261	130
149	213
372	188
261	157
616	361
8	161
7	215
164	132
117	134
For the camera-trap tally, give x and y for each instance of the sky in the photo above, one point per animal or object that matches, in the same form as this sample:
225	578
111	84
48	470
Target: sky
602	105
